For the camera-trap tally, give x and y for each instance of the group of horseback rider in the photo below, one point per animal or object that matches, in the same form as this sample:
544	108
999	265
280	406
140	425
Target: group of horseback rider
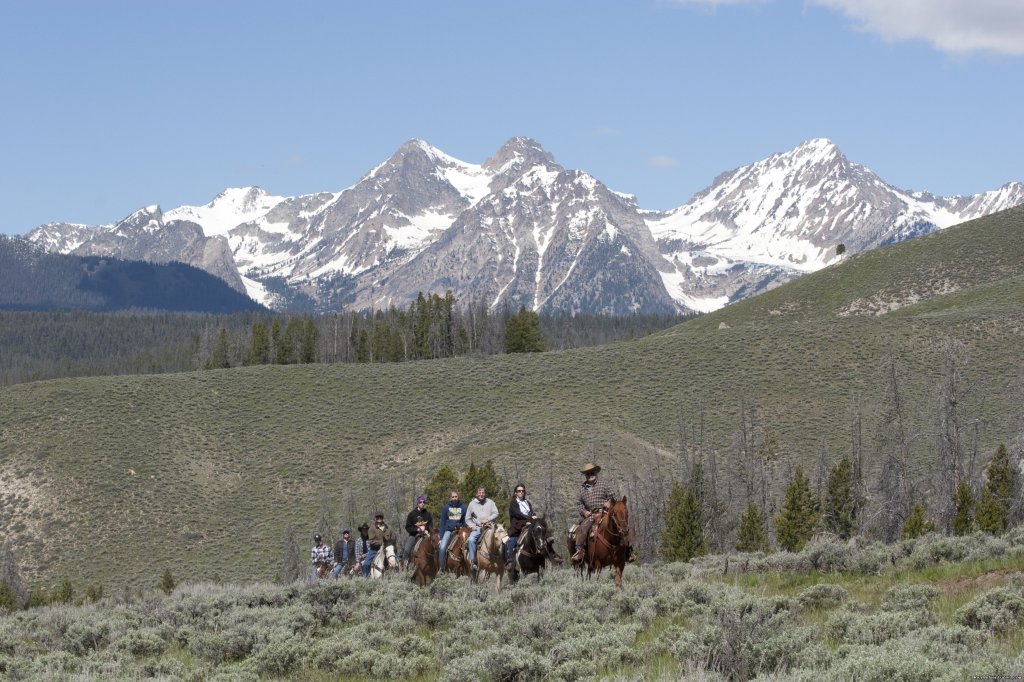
351	556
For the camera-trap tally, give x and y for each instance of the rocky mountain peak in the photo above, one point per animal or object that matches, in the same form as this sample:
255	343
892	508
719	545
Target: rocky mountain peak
519	153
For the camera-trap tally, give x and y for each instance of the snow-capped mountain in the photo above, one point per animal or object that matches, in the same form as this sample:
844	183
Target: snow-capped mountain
784	216
519	229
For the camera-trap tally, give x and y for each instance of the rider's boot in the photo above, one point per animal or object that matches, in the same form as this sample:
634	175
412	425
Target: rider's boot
578	556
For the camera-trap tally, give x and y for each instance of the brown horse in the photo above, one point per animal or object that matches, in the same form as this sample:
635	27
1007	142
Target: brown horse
323	570
423	558
455	560
608	544
490	553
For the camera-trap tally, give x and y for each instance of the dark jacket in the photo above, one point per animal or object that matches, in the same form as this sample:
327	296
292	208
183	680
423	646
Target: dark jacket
417	515
452	517
517	519
381	537
339	552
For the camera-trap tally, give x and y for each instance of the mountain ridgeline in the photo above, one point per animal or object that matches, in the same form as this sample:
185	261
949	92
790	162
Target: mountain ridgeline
31	279
521	230
906	359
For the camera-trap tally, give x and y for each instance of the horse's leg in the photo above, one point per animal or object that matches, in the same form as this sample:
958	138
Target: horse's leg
618	577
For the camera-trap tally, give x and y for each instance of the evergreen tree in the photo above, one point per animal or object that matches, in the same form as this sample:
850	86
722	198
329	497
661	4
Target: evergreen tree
310	336
752	535
438	489
167	583
496	489
259	347
917	524
799	514
220	359
997	494
683	538
522	332
963	509
840	500
363	346
275	338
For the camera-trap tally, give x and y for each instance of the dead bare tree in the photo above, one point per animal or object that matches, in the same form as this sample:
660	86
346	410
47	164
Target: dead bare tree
896	489
949	467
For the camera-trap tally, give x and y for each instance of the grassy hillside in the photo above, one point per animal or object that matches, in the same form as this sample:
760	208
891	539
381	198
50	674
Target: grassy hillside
114	479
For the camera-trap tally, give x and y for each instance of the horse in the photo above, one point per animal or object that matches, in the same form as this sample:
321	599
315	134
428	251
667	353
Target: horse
423	557
384	560
535	548
608	544
455	560
323	570
490	553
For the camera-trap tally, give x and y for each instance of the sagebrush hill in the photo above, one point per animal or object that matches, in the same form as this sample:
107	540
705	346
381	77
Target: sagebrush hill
114	479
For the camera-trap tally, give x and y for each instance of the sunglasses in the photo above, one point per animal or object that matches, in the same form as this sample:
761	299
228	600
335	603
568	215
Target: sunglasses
520	490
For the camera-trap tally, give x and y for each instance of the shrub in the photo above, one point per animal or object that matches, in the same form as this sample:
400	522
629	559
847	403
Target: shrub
998	611
908	597
822	596
849	627
142	643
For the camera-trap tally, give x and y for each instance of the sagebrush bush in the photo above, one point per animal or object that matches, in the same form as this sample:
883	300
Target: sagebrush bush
909	597
997	611
846	626
822	596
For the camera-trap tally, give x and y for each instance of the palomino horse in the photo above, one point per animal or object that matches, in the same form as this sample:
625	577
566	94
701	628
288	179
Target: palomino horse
490	553
385	556
536	547
455	560
608	544
423	557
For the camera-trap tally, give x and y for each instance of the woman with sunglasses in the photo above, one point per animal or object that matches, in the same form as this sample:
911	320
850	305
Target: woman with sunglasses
520	514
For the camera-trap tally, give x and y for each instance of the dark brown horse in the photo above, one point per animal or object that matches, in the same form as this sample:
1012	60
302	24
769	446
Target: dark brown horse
536	547
455	560
423	558
608	544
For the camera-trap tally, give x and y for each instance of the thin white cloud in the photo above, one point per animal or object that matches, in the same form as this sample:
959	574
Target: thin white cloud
954	26
662	161
605	131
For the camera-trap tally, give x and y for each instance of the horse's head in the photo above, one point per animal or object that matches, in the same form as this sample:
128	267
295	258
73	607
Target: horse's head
618	512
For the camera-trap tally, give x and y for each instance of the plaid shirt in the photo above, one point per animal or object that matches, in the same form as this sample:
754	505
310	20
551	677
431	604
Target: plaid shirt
321	554
592	497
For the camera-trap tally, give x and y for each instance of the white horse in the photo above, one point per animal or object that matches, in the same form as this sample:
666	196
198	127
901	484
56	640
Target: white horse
385	556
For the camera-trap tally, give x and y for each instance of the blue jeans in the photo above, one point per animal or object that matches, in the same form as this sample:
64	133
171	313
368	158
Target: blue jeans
443	549
510	546
474	538
367	560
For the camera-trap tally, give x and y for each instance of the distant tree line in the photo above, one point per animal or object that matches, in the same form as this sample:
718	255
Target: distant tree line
51	345
778	505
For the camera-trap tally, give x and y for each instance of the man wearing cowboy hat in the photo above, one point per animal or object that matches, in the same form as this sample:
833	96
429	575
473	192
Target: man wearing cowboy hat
594	496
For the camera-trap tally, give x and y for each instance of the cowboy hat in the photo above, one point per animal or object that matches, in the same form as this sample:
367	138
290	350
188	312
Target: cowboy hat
590	468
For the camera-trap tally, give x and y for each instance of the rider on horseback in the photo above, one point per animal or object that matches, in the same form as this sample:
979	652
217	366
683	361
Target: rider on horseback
380	537
453	517
320	557
420	516
520	514
480	513
594	496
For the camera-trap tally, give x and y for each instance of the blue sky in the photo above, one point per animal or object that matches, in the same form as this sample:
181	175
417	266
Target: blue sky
110	106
